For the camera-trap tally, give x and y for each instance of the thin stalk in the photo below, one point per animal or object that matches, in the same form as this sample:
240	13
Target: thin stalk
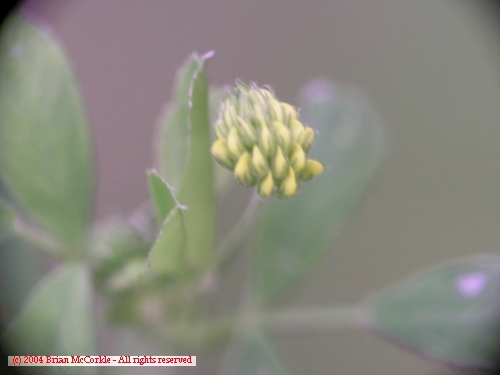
235	236
324	320
282	322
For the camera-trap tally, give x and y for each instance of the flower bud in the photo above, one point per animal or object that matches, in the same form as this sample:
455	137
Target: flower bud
297	130
290	114
266	186
288	187
280	165
259	115
267	144
247	133
282	135
311	169
259	163
267	95
257	97
245	107
234	144
243	170
277	110
263	141
221	153
307	138
229	116
220	130
297	158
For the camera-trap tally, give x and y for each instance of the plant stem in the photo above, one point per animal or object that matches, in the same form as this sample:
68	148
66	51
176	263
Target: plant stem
313	321
231	241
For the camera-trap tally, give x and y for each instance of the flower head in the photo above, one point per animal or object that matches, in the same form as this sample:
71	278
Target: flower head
263	142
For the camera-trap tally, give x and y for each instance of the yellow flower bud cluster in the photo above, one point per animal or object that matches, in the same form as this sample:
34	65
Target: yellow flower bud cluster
263	142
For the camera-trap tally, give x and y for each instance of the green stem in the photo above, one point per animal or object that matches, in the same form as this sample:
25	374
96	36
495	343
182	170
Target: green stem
282	322
313	321
235	236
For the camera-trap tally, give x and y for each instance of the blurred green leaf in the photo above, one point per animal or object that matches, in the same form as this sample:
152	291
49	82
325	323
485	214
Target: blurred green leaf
253	355
449	312
7	218
46	158
293	233
58	318
197	191
161	195
172	148
21	267
119	248
167	257
127	276
184	159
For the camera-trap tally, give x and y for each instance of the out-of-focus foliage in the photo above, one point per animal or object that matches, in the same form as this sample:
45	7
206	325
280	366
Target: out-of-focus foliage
292	234
449	312
46	159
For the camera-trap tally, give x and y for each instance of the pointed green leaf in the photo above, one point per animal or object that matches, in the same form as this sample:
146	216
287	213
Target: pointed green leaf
198	192
184	159
58	318
172	148
449	312
167	257
45	147
253	355
161	195
293	233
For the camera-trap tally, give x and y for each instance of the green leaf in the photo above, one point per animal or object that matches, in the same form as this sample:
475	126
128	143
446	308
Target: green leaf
293	233
161	195
185	160
172	148
128	275
449	312
58	318
46	157
7	218
119	248
16	281
253	355
167	257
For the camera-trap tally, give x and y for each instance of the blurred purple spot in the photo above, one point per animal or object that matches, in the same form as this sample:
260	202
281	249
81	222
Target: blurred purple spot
317	91
472	284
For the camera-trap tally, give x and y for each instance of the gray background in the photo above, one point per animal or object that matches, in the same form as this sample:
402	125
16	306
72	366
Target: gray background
431	70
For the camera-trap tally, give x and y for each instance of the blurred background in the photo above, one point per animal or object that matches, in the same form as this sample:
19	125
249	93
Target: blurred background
431	70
